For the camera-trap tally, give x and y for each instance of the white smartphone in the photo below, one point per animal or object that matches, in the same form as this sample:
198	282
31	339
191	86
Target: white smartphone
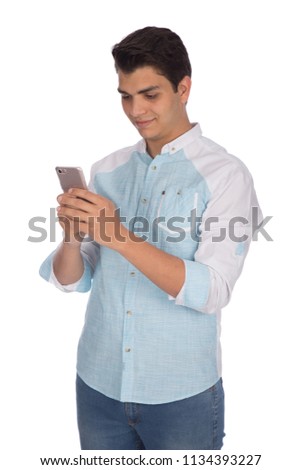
71	177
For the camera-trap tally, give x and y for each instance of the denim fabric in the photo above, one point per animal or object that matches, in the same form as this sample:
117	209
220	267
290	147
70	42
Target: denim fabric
193	423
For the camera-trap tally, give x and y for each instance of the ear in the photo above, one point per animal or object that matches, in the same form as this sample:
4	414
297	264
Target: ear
184	89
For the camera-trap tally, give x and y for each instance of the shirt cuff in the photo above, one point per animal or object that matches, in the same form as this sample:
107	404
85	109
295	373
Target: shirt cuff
195	290
82	285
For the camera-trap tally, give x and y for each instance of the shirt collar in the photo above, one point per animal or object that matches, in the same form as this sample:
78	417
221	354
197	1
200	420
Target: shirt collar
177	144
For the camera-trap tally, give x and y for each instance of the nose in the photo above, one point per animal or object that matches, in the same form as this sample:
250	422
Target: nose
138	107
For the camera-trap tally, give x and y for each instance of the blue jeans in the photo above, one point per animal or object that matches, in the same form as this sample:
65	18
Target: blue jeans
193	423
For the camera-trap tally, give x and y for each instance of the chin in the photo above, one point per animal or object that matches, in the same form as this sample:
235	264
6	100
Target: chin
146	134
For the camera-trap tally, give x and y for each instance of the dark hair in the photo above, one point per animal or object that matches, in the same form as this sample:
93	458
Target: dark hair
160	48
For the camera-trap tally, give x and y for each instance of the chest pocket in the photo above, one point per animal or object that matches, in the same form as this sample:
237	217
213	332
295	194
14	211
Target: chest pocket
178	208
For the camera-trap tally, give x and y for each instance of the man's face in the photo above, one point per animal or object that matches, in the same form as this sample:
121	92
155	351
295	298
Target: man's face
152	105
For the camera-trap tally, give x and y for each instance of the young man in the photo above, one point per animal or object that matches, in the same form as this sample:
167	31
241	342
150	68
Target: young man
168	222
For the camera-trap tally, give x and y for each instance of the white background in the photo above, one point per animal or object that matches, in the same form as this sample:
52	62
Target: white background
59	105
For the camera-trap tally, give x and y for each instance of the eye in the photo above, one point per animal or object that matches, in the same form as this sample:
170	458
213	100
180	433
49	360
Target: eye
151	96
125	97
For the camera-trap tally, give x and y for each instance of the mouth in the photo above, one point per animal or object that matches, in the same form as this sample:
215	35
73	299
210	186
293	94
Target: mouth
143	124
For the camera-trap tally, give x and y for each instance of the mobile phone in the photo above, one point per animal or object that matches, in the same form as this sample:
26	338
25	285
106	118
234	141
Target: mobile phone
71	177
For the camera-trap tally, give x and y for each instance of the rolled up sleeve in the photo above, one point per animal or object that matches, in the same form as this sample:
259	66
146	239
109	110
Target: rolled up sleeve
90	253
225	235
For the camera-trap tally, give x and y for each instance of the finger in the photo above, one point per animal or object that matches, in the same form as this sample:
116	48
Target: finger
74	202
87	195
66	224
76	215
73	231
64	221
63	196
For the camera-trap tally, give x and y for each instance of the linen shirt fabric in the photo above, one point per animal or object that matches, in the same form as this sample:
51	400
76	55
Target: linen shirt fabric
139	344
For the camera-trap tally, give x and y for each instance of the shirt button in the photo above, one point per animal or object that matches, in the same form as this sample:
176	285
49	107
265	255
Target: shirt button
154	167
173	149
127	349
132	273
129	312
144	200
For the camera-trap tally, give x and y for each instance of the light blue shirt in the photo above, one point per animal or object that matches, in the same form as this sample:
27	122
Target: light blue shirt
194	201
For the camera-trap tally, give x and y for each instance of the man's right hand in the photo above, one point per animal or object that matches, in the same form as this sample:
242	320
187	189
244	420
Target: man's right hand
72	235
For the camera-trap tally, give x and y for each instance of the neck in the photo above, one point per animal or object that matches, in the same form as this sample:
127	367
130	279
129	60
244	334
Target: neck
154	147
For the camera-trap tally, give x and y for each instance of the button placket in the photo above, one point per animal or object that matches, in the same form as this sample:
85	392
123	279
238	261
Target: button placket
129	319
128	339
149	182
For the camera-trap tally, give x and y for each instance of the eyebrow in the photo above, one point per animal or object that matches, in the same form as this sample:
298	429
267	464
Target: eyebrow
144	90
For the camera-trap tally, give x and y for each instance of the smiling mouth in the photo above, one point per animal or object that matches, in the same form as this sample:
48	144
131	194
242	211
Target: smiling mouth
143	124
